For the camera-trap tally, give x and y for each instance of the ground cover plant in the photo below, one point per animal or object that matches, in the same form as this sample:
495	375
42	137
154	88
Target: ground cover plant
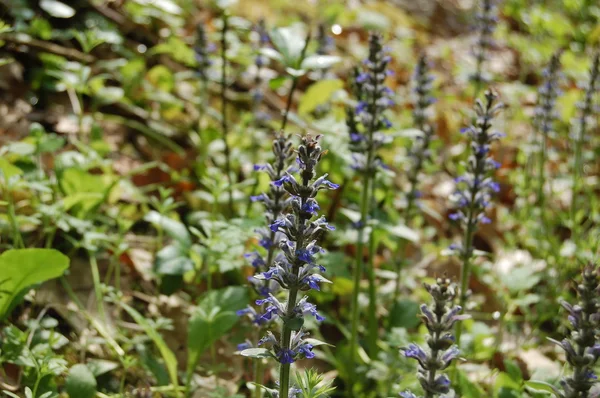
333	198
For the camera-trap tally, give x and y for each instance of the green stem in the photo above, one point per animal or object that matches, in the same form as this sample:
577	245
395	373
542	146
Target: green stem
401	252
258	377
541	171
224	124
578	165
465	271
358	271
364	210
284	370
97	287
288	105
12	215
372	309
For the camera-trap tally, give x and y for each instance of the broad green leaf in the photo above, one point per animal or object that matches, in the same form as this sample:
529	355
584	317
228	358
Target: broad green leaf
318	94
20	148
57	9
521	278
8	170
317	61
271	53
173	260
98	367
81	382
506	386
84	192
513	370
177	49
166	353
23	268
541	387
175	229
257	353
289	42
212	318
404	232
75	180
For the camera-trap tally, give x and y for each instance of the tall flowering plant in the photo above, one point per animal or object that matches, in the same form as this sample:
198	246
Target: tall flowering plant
297	271
439	318
545	116
582	347
260	61
366	124
419	152
476	187
587	107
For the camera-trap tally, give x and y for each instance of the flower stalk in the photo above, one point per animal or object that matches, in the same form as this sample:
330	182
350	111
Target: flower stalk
366	123
224	121
419	152
476	187
297	270
586	117
439	318
545	116
582	347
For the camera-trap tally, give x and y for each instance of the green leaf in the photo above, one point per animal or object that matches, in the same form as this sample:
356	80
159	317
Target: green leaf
513	369
175	229
81	382
177	49
8	170
257	353
541	387
57	9
173	260
98	367
212	318
23	268
84	192
468	388
506	386
405	313
166	353
404	232
317	61
317	342
289	42
318	94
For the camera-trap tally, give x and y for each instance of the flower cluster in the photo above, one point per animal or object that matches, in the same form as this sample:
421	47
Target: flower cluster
587	107
297	270
548	92
419	152
486	23
275	202
582	348
439	318
476	186
202	50
260	61
367	120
